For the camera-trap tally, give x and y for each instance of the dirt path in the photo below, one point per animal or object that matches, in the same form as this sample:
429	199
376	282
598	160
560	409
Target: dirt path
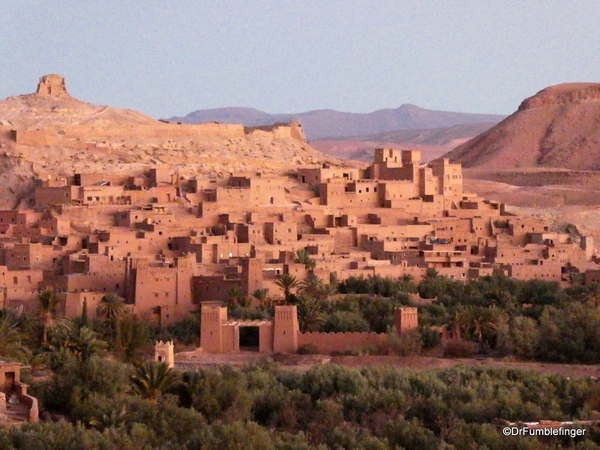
425	363
302	363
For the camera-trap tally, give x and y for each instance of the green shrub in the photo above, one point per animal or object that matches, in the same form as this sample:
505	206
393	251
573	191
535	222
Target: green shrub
308	349
430	337
459	348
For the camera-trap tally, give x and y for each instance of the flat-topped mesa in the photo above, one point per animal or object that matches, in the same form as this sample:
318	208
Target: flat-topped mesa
563	94
52	85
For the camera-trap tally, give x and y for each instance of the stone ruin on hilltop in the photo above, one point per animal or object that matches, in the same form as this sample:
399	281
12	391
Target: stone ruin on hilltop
52	85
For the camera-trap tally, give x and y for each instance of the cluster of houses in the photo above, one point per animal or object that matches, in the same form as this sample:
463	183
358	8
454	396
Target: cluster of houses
171	243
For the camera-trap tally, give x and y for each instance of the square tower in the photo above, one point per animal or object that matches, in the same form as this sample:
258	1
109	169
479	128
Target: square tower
406	319
211	328
285	329
163	352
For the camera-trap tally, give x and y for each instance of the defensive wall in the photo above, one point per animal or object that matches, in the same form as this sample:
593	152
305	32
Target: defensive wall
76	136
282	334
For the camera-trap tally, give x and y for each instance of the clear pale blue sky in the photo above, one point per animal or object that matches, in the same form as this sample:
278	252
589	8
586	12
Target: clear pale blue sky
172	57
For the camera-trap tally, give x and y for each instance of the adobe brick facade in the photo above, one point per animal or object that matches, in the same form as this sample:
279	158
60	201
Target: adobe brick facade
10	384
169	244
282	335
164	353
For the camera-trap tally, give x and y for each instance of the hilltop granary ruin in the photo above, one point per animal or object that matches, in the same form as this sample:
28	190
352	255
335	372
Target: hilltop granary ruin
52	85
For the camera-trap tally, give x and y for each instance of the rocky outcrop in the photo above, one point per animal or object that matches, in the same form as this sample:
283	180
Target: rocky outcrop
557	127
563	94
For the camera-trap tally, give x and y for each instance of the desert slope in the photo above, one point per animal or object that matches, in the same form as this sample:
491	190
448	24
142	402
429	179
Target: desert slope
557	127
50	133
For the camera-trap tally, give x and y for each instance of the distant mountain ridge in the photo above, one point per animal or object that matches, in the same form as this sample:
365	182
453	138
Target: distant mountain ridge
328	123
427	136
432	142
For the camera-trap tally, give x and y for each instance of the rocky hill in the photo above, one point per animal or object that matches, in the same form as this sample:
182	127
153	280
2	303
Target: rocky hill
51	133
328	123
557	127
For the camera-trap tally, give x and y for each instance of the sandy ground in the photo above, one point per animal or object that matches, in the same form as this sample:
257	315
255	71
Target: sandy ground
569	197
302	363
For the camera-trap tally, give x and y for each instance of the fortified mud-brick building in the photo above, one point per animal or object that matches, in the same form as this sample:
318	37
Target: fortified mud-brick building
282	335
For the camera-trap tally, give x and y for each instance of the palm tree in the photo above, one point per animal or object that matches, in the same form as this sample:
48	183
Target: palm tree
84	343
312	285
262	295
407	278
484	323
115	419
327	290
112	308
287	282
431	273
47	304
84	314
303	257
235	295
333	279
310	313
151	380
591	295
459	322
193	385
575	278
408	282
245	301
10	341
134	334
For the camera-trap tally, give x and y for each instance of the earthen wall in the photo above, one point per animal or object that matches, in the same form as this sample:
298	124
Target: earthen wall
338	342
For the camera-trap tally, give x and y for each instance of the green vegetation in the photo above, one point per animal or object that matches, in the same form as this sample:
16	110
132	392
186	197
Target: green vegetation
108	404
97	391
494	315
